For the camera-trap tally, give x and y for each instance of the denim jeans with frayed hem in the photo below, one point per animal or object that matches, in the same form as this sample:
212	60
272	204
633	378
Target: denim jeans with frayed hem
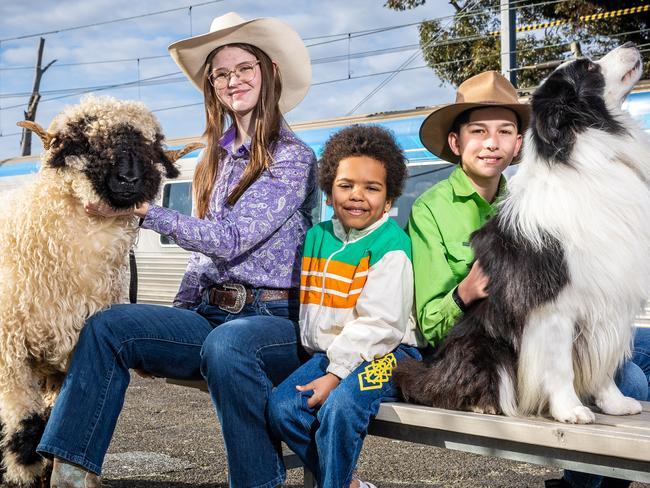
329	439
241	356
633	379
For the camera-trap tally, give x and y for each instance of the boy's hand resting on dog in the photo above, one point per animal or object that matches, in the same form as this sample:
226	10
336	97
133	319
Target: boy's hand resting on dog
472	288
321	387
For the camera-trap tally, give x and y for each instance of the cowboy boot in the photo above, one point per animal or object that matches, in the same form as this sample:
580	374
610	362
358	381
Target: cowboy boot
66	475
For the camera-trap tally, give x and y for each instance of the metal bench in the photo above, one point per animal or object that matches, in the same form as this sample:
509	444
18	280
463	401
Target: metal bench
613	446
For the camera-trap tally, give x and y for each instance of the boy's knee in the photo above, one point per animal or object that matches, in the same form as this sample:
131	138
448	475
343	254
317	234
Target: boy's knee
340	404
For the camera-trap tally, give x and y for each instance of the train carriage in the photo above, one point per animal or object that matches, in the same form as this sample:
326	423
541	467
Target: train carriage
161	263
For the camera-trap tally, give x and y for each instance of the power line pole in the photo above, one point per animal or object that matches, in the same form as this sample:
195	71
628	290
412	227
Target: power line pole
30	113
576	49
508	42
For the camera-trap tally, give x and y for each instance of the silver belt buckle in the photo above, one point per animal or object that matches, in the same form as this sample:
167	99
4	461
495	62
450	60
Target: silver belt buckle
240	299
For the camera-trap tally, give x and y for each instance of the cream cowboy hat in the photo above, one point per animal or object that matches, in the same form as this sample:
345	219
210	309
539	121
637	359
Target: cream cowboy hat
487	89
278	40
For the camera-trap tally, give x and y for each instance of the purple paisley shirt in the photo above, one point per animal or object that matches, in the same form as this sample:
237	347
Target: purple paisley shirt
258	241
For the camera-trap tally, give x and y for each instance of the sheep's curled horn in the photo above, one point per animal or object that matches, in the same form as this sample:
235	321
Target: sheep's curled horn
47	138
175	155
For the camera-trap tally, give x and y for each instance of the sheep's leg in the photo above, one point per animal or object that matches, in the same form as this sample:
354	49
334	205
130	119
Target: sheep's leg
23	415
52	387
2	466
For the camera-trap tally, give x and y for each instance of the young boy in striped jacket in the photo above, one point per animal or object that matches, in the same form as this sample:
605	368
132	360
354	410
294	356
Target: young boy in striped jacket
356	298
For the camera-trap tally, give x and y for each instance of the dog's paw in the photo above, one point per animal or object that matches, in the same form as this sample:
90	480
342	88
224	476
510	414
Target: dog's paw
489	410
620	406
575	415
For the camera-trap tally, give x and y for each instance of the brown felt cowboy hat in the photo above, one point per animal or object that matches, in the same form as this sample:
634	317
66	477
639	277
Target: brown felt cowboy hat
278	40
487	89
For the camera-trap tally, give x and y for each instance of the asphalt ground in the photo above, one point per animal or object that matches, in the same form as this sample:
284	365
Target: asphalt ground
168	436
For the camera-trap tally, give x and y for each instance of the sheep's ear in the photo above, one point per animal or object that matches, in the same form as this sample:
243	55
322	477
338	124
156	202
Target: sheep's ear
177	154
45	136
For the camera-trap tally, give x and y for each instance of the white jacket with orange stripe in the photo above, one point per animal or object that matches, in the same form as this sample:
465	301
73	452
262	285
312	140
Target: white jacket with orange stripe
356	293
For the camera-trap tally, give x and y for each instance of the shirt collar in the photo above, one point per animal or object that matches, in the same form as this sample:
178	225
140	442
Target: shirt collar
463	187
355	234
227	141
228	138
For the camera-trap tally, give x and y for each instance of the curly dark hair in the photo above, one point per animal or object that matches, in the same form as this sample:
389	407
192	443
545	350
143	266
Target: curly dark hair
364	140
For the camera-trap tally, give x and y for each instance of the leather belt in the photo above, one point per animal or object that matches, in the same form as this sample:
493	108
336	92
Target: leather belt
231	297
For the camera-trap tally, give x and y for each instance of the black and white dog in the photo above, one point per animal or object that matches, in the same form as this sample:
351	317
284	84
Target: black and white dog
568	258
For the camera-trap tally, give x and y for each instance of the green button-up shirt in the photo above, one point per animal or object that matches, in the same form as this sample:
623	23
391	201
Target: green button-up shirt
441	222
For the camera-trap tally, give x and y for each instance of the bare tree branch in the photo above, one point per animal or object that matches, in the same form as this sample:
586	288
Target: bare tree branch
32	106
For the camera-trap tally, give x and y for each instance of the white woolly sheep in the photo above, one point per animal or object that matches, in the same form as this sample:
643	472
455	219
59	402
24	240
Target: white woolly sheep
59	265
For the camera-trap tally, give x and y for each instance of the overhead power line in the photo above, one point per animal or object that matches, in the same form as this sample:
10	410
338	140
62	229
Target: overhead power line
582	18
157	80
413	68
401	67
105	61
469	14
154	80
95	24
177	77
339	36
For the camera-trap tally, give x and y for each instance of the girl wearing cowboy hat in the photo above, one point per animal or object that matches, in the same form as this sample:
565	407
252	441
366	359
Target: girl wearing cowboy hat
234	317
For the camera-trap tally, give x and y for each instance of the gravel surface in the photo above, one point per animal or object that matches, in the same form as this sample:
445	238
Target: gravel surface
168	436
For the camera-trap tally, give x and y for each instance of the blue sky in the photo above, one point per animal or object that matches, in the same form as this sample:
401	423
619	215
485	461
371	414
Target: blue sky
147	38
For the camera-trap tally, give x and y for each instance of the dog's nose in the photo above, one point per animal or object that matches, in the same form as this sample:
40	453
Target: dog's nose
629	44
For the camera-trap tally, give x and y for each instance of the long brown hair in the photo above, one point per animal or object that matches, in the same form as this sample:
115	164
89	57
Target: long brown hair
268	121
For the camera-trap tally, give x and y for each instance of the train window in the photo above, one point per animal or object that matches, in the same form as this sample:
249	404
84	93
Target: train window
421	177
177	196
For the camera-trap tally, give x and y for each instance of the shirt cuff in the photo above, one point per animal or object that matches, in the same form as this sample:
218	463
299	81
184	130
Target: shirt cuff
147	222
338	370
449	308
162	220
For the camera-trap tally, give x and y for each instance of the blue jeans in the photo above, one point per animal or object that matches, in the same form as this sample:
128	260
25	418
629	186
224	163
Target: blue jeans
241	356
633	379
329	439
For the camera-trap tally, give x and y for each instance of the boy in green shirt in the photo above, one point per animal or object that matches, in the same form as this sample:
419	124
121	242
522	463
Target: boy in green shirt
481	133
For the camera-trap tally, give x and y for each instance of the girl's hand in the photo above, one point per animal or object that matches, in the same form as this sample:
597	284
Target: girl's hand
103	210
321	387
472	288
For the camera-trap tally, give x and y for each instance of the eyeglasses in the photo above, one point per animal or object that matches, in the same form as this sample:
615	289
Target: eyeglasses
245	72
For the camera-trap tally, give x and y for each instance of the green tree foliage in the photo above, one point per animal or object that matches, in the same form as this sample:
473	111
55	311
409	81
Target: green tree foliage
466	45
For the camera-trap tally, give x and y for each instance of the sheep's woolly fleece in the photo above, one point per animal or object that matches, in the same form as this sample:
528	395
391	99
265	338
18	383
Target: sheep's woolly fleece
59	266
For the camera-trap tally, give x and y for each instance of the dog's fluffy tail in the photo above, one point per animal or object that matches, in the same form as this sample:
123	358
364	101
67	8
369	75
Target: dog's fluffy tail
413	379
468	371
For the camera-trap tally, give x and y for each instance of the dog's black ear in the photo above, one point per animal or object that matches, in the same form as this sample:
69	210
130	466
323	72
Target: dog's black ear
552	131
551	122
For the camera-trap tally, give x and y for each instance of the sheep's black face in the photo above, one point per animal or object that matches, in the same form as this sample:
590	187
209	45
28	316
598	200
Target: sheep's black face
132	176
123	167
